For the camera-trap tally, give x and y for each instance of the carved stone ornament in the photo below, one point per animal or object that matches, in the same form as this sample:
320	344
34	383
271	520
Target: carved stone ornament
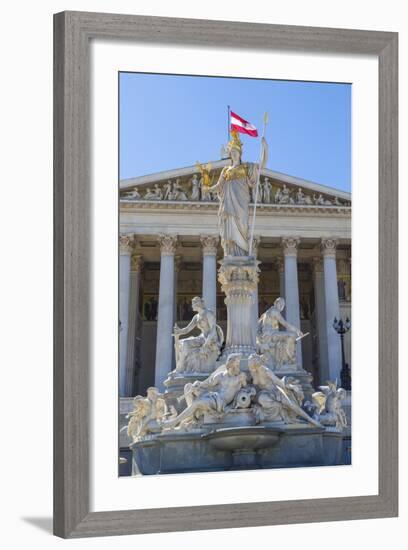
136	263
290	245
209	244
148	412
327	405
238	281
126	243
328	247
168	244
267	398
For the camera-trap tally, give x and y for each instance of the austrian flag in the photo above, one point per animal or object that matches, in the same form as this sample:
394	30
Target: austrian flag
240	125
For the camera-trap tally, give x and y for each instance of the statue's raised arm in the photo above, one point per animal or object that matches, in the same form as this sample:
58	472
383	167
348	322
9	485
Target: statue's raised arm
288	326
186	330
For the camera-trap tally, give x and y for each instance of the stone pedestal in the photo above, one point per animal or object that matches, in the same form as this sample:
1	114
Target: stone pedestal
248	447
239	281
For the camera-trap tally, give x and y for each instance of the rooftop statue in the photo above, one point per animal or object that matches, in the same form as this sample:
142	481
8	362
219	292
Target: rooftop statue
321	201
158	192
301	198
267	188
195	188
198	353
178	192
282	196
233	190
150	195
205	181
133	194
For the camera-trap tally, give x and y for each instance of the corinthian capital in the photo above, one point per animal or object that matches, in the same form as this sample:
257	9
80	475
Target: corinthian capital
168	244
290	245
328	247
126	243
209	244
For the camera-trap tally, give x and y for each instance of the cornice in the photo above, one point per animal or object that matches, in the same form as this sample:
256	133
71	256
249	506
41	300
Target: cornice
292	209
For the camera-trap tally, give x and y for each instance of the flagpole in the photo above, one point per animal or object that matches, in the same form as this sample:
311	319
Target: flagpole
228	123
265	121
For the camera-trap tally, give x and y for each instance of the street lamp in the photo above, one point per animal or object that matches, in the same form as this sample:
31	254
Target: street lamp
341	328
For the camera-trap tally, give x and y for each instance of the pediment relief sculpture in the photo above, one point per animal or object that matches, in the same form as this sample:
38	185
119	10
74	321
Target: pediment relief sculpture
198	188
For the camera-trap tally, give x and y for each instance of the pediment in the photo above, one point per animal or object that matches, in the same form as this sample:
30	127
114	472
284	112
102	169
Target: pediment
185	185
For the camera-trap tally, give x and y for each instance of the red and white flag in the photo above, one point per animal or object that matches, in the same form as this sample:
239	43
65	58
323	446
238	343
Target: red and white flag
240	125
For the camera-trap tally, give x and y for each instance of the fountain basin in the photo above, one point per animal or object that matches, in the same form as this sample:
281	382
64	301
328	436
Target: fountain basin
233	448
243	438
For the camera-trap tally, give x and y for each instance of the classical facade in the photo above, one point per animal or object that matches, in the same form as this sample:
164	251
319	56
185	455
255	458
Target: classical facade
169	253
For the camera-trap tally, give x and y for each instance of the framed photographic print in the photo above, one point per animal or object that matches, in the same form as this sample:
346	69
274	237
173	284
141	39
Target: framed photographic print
225	274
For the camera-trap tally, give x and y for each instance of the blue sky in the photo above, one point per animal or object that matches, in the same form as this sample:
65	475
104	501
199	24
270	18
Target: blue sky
170	121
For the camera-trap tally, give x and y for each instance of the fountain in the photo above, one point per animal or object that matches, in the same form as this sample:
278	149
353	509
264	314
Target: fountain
247	404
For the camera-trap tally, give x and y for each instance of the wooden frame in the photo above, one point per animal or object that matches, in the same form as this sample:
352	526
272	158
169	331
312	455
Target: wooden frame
72	33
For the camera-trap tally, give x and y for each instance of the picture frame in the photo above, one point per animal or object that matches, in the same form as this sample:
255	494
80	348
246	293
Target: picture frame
73	32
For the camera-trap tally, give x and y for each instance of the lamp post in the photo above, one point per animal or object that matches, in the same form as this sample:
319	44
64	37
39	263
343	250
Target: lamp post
342	327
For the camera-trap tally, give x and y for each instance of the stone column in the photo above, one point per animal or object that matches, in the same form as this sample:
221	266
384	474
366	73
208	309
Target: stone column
290	246
164	338
125	249
209	244
320	308
177	267
280	267
136	264
331	297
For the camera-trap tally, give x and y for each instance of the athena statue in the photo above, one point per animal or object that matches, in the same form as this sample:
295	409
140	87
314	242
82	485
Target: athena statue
233	190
